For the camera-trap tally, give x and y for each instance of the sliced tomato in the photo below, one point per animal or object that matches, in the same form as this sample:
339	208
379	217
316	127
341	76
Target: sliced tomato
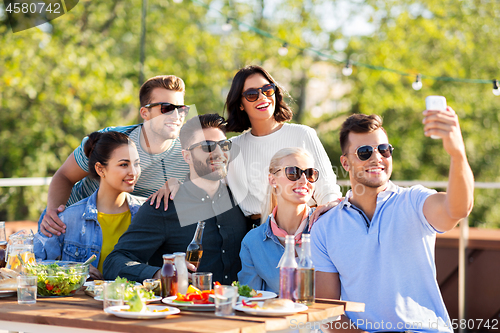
49	286
250	305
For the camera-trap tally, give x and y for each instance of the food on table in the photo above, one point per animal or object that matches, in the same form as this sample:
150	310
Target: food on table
245	290
131	288
136	303
58	278
154	285
271	304
194	296
8	279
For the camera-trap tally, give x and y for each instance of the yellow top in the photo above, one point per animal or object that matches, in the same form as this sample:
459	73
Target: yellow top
112	226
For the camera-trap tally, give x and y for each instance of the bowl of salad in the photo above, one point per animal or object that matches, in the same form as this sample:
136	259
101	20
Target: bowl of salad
59	278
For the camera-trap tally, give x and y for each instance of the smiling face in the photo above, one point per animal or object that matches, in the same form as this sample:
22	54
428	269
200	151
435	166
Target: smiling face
293	192
263	107
122	170
210	166
373	173
164	126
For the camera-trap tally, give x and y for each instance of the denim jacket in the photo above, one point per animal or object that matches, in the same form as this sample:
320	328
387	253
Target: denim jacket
260	254
83	235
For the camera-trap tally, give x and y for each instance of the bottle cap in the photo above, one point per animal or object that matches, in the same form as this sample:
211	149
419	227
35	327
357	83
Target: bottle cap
168	256
179	254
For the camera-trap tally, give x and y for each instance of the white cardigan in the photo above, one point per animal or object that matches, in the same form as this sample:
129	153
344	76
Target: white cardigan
248	172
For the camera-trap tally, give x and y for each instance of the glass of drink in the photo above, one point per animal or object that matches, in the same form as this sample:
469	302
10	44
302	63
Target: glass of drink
26	289
225	300
113	294
202	281
153	285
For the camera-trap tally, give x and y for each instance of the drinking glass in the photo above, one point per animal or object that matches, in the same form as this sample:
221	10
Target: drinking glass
153	285
202	281
225	300
113	294
26	289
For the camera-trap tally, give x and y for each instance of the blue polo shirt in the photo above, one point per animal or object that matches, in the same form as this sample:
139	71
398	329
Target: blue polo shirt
386	263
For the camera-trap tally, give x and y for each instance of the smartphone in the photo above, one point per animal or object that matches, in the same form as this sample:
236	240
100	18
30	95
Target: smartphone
435	103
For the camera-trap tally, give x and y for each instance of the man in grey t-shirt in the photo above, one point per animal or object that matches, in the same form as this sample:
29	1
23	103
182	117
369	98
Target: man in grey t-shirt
163	111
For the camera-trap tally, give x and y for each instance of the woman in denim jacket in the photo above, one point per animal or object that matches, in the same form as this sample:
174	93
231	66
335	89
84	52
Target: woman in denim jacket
291	184
94	224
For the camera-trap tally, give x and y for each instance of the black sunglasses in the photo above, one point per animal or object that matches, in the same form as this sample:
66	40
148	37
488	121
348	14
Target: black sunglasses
252	94
210	146
167	108
365	152
294	173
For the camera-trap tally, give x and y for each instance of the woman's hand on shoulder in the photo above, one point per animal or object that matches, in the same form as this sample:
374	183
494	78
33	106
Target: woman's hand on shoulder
170	188
321	209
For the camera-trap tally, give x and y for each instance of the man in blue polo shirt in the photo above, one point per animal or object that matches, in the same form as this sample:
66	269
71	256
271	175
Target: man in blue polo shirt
377	246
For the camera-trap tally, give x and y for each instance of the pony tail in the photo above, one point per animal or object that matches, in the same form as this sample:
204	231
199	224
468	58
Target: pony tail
91	142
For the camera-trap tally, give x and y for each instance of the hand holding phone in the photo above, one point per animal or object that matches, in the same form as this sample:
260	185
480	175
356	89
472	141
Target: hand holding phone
435	103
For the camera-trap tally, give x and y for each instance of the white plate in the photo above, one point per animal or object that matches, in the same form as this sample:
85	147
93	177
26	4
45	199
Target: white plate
118	311
265	295
156	298
91	283
191	307
271	312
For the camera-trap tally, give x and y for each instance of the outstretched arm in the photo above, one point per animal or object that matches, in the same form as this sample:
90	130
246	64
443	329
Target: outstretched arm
445	210
59	191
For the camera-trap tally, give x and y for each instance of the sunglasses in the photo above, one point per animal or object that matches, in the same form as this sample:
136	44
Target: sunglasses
252	94
167	108
365	152
210	146
294	173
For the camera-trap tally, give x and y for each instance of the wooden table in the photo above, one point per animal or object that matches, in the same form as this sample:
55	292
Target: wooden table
81	313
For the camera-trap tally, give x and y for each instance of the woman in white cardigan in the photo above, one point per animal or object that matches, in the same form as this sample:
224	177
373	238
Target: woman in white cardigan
256	107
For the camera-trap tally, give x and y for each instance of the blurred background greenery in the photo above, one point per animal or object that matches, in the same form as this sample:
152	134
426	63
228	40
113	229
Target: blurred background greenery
81	73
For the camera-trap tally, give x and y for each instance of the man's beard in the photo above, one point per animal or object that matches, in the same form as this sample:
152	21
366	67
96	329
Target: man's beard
204	168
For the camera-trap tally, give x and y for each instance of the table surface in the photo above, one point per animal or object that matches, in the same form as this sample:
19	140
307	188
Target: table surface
82	311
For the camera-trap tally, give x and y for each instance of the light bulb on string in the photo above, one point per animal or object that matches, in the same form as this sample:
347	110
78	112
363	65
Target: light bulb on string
417	85
496	88
177	1
347	70
283	51
227	26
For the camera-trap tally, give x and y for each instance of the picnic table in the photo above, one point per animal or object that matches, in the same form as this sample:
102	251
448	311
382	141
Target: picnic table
81	313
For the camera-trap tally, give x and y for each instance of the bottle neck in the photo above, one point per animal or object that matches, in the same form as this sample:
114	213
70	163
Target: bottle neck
306	248
199	233
3	238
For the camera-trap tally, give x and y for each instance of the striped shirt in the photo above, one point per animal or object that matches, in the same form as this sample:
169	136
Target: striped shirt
155	168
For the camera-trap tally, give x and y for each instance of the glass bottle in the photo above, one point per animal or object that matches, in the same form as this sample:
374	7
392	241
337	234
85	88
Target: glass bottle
194	251
168	276
288	270
305	273
3	244
182	272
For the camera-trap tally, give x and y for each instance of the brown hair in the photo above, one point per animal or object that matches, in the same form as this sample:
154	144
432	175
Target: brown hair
169	82
358	123
210	120
100	146
237	120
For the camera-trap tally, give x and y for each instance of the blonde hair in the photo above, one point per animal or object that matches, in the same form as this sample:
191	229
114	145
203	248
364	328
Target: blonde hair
271	198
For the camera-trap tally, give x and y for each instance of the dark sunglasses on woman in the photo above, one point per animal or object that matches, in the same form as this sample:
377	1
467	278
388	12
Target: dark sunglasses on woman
252	94
294	173
210	146
365	152
167	108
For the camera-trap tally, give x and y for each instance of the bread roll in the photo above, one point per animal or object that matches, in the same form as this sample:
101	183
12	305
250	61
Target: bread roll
279	304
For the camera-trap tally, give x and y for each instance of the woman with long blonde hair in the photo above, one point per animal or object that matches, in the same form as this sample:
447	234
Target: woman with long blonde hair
292	177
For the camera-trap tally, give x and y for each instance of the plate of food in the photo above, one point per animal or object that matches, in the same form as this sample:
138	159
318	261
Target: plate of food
271	307
130	290
8	282
194	300
247	293
149	312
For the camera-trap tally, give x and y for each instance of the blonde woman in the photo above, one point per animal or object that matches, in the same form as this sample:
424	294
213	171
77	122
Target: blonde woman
292	177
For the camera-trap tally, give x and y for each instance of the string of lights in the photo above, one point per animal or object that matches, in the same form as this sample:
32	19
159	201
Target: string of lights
348	64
